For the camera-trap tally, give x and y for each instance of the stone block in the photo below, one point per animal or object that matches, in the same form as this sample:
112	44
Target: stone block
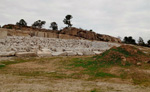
71	53
7	54
97	52
25	54
59	54
43	54
79	53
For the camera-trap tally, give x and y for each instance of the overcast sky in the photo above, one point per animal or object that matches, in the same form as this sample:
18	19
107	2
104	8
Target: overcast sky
111	17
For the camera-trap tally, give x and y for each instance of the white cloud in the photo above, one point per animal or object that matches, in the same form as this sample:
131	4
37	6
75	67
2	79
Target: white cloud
112	17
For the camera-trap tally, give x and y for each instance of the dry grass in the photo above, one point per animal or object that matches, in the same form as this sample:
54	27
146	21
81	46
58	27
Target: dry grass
54	75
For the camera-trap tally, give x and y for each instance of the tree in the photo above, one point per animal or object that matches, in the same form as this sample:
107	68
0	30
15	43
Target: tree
129	40
67	20
91	30
54	26
141	41
22	22
148	43
38	24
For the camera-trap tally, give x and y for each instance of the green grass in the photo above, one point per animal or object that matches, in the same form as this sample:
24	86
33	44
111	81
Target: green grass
97	90
15	61
91	67
103	74
94	90
118	49
2	65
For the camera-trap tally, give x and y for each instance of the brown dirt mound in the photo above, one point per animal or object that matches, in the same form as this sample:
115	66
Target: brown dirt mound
124	54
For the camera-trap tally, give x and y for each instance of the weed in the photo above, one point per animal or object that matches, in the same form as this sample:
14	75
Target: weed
2	65
93	90
97	90
105	75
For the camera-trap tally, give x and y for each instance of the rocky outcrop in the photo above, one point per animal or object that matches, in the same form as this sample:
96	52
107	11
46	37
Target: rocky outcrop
38	46
89	35
3	34
66	33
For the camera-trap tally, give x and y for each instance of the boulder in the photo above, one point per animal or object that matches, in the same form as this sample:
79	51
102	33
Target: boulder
138	63
7	54
124	60
25	54
79	53
88	53
59	54
71	53
43	54
45	50
97	52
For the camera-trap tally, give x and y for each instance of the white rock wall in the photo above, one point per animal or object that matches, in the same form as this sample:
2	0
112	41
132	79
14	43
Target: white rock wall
35	44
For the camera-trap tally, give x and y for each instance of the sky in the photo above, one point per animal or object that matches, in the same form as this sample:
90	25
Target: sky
112	17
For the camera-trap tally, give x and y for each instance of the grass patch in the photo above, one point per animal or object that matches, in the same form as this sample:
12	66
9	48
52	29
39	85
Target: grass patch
97	90
103	74
2	65
15	61
93	68
18	60
5	63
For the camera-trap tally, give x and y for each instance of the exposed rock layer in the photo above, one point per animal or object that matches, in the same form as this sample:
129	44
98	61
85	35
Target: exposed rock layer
53	46
66	33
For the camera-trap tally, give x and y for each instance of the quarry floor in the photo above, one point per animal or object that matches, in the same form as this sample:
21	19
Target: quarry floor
49	75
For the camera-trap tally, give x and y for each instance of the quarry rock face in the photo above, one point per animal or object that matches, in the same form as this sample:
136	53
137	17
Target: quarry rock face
89	35
3	34
28	41
66	33
23	45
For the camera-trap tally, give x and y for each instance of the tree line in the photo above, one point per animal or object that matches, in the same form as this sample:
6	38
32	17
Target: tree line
140	42
67	20
39	23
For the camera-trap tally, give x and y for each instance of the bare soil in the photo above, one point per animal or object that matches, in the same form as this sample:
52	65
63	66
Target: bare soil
49	75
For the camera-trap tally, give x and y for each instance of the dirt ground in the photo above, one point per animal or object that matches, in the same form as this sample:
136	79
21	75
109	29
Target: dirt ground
11	83
47	75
